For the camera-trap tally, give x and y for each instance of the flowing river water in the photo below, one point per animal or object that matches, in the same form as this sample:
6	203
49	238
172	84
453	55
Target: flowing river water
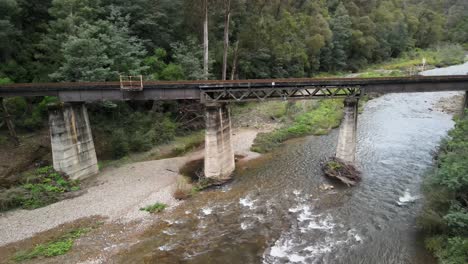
275	211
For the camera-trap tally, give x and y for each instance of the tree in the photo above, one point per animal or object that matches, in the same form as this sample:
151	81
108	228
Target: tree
430	29
227	16
8	32
101	52
190	57
205	40
340	25
158	69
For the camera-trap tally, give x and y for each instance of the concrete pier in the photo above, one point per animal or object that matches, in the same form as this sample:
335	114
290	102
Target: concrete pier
465	104
72	142
219	153
346	149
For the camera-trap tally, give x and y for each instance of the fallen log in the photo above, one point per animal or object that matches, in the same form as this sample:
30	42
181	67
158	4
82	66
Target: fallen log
341	170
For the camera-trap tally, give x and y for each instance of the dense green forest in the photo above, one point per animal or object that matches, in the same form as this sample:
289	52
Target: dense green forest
84	40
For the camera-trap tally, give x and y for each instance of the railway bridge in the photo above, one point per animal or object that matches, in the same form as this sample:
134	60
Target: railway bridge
71	136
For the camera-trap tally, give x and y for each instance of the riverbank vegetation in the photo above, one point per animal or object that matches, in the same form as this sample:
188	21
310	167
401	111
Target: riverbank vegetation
57	246
309	118
445	216
154	208
36	189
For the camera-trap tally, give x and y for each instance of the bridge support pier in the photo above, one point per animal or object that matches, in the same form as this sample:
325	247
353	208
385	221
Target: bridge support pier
346	149
219	153
465	104
72	143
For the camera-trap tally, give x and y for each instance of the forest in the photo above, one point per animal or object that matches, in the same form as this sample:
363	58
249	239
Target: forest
96	40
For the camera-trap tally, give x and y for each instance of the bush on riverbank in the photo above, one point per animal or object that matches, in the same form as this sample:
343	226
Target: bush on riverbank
445	216
439	56
319	120
154	208
39	188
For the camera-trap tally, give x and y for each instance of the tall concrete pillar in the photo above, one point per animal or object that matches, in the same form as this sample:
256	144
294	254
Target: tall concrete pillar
346	149
219	153
72	142
465	104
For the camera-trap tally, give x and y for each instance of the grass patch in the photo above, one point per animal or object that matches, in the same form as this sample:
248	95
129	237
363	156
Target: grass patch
54	248
380	73
177	147
439	56
38	188
188	143
154	208
319	120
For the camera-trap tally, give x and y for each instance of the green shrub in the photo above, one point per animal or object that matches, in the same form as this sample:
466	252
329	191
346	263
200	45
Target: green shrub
29	114
39	188
119	143
130	129
450	250
319	120
449	54
154	208
140	142
445	216
5	80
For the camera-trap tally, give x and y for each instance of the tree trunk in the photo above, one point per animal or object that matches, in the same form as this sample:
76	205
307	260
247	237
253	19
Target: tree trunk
11	127
234	61
227	15
205	41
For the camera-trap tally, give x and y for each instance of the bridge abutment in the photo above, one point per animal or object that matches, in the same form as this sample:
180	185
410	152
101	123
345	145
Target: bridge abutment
346	149
72	143
219	153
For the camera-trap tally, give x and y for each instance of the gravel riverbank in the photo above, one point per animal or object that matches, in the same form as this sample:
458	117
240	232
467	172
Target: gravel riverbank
117	195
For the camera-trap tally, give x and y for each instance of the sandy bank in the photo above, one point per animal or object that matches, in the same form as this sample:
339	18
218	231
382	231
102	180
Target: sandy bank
117	196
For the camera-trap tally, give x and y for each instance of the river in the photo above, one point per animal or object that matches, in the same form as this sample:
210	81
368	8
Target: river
274	210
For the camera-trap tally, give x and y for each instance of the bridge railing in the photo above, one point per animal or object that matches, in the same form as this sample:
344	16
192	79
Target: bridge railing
131	83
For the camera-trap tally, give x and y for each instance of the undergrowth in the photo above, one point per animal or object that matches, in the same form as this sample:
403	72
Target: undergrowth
154	208
319	120
56	247
188	143
444	218
38	188
439	56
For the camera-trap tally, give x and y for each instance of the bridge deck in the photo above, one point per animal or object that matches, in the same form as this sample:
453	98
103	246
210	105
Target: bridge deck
239	90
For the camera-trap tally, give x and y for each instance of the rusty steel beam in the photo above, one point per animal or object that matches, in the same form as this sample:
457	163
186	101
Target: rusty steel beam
239	90
285	93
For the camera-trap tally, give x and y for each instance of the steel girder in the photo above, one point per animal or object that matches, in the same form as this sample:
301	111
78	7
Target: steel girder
224	95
